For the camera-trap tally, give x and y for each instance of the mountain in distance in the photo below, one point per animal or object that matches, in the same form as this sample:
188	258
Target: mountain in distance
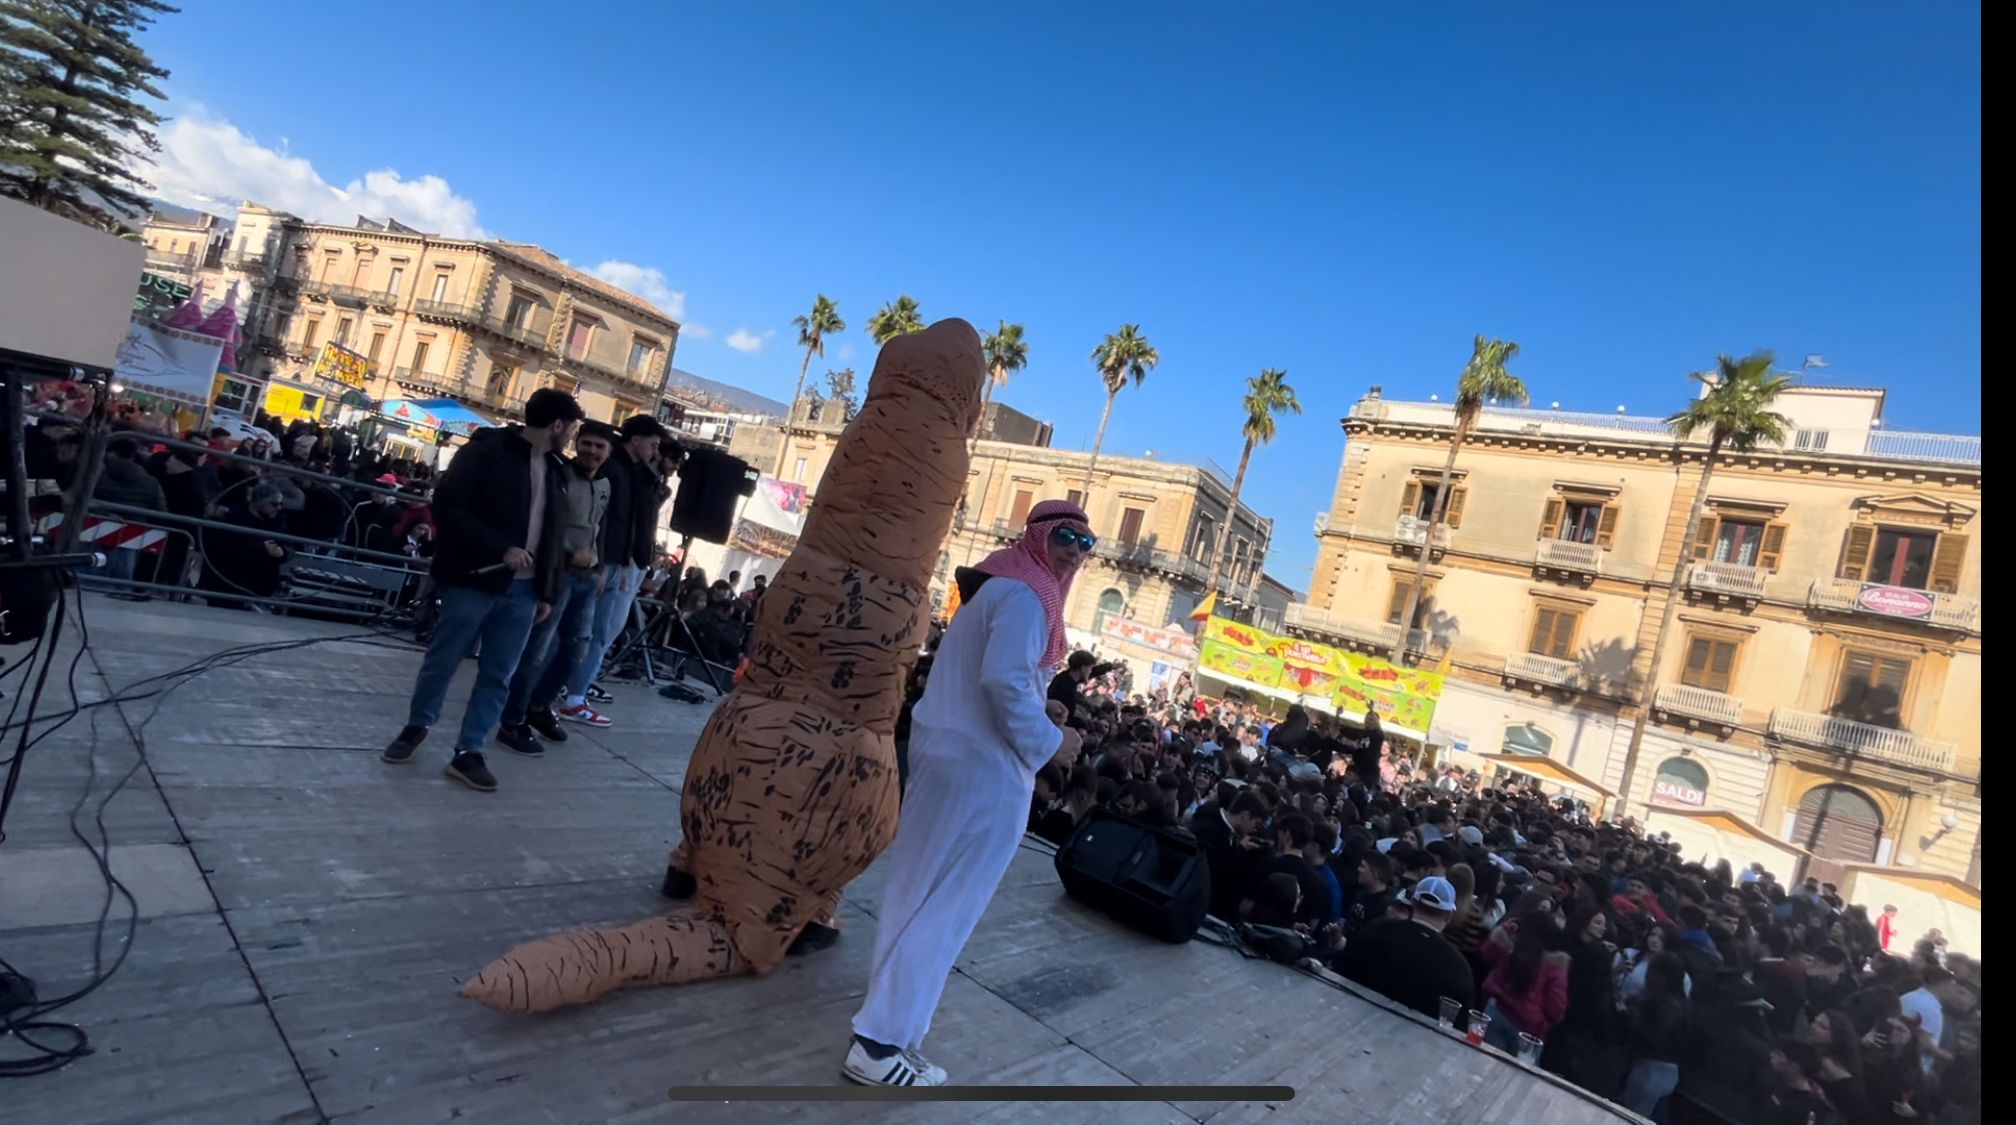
720	396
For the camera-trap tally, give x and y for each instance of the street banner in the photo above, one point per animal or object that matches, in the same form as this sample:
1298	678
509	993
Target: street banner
1346	681
168	362
339	364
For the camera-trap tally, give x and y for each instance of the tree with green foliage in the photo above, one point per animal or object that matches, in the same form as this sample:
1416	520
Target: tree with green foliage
1267	395
73	124
813	328
1122	356
899	317
1736	416
841	383
1484	380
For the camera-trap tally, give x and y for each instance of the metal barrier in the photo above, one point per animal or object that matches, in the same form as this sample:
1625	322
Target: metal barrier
329	577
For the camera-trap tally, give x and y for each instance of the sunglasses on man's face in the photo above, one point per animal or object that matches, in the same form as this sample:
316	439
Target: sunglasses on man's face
1072	537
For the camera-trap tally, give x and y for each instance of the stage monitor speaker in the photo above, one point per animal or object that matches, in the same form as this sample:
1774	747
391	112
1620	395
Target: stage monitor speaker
1155	880
711	483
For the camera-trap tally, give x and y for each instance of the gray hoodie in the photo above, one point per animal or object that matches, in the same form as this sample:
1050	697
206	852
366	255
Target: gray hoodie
580	515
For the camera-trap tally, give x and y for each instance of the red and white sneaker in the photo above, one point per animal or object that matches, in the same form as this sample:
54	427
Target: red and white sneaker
582	713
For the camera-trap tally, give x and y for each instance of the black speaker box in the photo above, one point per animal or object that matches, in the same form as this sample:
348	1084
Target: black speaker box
710	484
1155	880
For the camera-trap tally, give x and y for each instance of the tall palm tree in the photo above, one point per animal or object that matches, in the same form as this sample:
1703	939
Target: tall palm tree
1736	415
1121	356
813	328
1484	379
1007	353
897	318
1267	394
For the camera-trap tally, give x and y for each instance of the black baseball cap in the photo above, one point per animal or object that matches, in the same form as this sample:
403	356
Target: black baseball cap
643	425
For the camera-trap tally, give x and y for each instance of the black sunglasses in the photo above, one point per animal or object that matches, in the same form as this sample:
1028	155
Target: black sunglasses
1072	537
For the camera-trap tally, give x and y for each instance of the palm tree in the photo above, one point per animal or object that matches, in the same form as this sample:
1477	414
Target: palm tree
1484	379
1121	356
1736	414
813	328
897	318
1007	353
1267	394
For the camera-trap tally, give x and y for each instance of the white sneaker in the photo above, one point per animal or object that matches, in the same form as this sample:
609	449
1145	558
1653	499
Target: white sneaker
904	1068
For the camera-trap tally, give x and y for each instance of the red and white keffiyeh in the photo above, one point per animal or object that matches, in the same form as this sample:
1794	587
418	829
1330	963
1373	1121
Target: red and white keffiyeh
1028	561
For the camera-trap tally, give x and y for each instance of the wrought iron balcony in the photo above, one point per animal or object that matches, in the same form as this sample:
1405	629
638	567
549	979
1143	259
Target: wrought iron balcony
428	380
446	310
351	296
1568	557
1947	611
1374	634
1726	580
247	261
1534	668
1698	705
1865	740
531	333
319	290
383	299
166	260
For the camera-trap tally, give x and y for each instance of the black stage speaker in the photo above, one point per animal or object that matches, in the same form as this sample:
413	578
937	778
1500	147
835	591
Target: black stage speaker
1155	880
710	484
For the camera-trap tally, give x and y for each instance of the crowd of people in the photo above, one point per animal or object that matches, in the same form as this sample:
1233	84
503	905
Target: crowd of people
1684	992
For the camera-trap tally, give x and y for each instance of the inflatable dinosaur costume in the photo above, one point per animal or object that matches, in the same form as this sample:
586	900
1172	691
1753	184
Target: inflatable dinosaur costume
792	790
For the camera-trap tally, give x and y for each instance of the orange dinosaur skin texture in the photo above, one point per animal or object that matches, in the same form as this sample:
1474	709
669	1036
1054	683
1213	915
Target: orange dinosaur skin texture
792	792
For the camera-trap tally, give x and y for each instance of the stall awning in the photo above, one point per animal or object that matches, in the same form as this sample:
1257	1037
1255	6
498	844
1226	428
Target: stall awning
1547	769
455	417
1706	835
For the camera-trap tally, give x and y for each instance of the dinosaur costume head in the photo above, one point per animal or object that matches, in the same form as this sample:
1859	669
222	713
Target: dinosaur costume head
792	790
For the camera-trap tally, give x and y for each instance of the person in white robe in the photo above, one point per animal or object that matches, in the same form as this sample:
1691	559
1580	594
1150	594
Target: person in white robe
977	739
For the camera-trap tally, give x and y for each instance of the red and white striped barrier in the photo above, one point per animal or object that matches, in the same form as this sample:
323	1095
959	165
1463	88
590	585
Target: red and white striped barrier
106	534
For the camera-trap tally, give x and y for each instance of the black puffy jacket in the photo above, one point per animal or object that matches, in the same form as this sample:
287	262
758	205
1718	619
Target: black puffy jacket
483	504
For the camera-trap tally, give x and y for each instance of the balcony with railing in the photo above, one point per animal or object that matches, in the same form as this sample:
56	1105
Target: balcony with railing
446	310
1412	531
1727	581
350	296
1565	557
247	261
426	380
1865	740
531	332
1535	668
1697	706
174	262
595	368
1924	607
319	290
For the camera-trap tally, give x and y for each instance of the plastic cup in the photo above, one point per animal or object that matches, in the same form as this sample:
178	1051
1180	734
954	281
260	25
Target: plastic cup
1529	1048
1475	1032
1451	1013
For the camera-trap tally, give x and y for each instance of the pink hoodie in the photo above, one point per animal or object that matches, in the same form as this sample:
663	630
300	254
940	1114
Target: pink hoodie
1546	998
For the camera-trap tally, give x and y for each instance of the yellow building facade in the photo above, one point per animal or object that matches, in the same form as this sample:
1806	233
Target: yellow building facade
1822	678
485	323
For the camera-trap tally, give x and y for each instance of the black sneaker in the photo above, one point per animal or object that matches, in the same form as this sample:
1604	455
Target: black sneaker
401	750
547	724
520	738
678	884
597	695
467	767
813	938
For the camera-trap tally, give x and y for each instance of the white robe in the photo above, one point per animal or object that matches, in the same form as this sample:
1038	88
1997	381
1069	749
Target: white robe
977	739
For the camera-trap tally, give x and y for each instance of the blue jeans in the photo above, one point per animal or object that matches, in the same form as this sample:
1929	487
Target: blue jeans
499	623
553	649
1650	1082
612	613
1499	1032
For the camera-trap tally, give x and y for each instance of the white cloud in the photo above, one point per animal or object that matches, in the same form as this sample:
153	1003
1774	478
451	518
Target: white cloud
209	163
645	282
745	341
694	331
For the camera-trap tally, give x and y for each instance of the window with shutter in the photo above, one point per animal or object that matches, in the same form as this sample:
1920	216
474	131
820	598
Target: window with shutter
1855	548
1606	528
1130	525
1076	497
1398	602
1711	663
1550	518
1704	539
1452	517
1554	631
1947	560
1019	514
1871	689
1774	546
1410	497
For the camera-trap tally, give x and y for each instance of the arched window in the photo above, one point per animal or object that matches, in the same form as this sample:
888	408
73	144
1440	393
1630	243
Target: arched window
1525	738
1111	603
1680	781
1839	823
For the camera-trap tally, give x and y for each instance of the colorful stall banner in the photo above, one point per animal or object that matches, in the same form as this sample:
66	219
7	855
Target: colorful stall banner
1404	697
1231	634
341	365
1228	663
1147	636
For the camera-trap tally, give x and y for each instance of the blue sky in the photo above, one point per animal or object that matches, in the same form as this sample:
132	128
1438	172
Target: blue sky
1346	191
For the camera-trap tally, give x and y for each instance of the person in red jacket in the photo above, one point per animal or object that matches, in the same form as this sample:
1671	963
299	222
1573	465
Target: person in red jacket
1528	982
1886	928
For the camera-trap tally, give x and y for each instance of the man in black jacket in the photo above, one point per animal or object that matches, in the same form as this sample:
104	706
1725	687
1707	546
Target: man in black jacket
1232	847
498	566
635	505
